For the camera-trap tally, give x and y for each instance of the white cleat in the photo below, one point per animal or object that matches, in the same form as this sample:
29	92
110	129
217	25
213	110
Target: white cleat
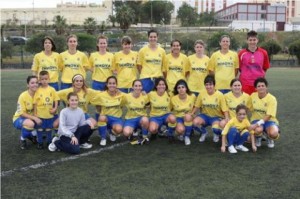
202	137
103	142
231	149
258	141
216	138
242	148
270	143
187	141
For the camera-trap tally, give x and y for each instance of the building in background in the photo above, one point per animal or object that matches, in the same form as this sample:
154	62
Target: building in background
74	13
262	17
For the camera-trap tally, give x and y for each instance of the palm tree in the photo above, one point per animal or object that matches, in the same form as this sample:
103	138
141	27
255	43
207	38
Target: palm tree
125	16
90	25
60	24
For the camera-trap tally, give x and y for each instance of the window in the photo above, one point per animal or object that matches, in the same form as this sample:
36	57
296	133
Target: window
263	7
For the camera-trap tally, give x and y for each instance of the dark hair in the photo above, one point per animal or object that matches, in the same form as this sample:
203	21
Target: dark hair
151	31
31	77
260	80
137	80
175	40
240	107
43	72
157	80
71	94
51	40
223	36
126	40
251	33
234	80
106	82
181	82
101	37
210	79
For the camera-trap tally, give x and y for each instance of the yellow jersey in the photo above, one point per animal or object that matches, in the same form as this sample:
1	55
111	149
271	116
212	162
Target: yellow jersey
126	67
198	71
242	126
180	108
101	65
160	105
43	62
110	105
84	99
233	101
24	105
175	68
44	98
262	107
151	61
136	107
71	65
212	105
224	66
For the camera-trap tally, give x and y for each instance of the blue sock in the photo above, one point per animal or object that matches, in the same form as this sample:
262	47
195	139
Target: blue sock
49	136
102	131
145	132
201	129
217	131
188	130
25	133
40	137
97	116
231	137
171	131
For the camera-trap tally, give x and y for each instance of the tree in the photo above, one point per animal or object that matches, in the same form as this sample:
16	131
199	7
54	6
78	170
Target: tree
272	47
112	19
294	49
187	15
125	17
158	11
86	42
60	24
6	49
90	25
207	19
213	42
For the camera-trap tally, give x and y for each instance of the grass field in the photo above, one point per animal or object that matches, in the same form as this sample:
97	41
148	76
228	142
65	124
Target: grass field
158	170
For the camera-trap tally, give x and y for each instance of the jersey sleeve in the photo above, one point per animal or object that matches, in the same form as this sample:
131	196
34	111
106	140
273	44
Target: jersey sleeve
85	62
223	103
266	65
198	101
211	63
272	108
35	64
91	61
227	127
140	58
236	61
21	105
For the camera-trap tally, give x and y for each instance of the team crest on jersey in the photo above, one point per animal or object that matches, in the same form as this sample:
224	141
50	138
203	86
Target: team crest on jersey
78	59
47	99
147	55
218	58
230	58
159	55
132	58
66	58
216	100
266	105
182	63
121	59
55	59
43	60
108	60
142	103
168	99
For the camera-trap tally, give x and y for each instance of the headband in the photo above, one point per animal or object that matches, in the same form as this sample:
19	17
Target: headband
75	76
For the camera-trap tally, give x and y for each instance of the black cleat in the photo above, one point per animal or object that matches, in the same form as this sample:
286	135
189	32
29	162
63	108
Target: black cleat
33	139
171	139
23	144
39	146
153	136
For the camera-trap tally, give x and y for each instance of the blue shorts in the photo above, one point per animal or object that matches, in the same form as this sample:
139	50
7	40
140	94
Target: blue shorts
208	120
180	120
65	85
224	91
54	85
111	121
46	124
18	123
148	84
125	90
99	86
134	122
160	120
266	124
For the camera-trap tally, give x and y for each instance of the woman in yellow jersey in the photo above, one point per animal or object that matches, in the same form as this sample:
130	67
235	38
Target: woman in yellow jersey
176	65
160	112
72	62
213	110
198	64
235	97
224	64
150	61
264	109
136	116
110	101
125	65
182	105
236	131
47	60
101	63
85	95
24	118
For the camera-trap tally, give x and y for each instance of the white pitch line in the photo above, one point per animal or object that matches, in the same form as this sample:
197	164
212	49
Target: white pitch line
74	157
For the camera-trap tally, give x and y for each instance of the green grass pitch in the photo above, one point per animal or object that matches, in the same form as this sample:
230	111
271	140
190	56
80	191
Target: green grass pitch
159	170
